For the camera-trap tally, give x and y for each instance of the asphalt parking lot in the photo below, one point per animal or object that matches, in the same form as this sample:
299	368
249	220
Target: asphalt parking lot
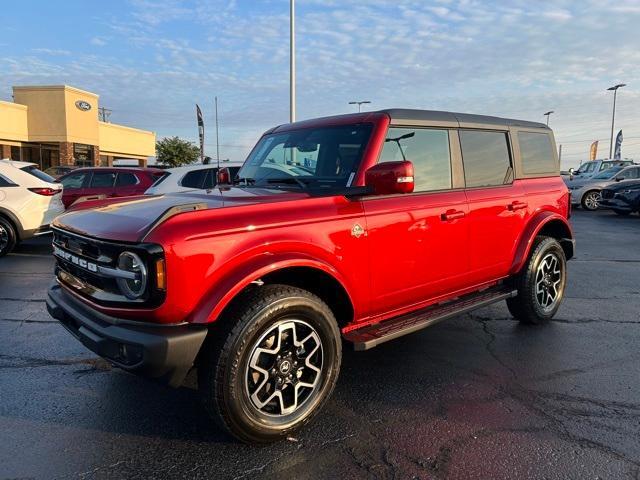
476	397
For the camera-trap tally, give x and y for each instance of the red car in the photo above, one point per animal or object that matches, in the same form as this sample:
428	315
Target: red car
357	229
105	182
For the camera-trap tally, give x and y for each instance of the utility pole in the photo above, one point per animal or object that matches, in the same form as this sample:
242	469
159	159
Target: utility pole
217	140
360	103
292	61
104	114
613	117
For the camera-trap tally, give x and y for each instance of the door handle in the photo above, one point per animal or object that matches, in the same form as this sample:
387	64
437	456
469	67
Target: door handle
517	206
451	215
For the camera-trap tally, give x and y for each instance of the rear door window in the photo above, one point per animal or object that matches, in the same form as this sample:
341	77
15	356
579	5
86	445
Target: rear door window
537	153
102	179
486	158
194	178
427	149
126	179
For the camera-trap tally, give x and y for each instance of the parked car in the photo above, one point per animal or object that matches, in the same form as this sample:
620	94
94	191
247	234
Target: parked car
60	170
358	228
189	177
623	198
586	193
593	167
104	182
29	201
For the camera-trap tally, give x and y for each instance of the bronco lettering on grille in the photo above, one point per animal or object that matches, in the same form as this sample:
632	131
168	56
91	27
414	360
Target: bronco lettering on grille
92	267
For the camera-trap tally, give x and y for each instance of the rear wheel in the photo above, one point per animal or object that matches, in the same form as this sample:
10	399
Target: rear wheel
8	237
590	200
540	283
272	364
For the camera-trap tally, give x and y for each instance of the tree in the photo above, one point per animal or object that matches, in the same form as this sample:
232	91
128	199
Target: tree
173	152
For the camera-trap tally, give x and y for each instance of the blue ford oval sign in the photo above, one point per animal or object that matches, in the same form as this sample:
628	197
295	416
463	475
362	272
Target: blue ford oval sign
82	105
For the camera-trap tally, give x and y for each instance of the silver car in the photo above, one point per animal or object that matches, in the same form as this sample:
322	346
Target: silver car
586	193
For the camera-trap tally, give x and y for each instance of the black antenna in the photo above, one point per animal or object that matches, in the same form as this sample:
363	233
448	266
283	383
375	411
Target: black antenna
397	140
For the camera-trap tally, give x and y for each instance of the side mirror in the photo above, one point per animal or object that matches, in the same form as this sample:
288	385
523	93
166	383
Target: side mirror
224	176
571	170
619	179
390	177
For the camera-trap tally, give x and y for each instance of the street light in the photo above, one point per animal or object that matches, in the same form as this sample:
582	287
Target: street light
547	115
359	104
613	117
292	61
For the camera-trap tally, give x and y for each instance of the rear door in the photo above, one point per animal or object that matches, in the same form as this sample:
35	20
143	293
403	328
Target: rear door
418	242
101	184
127	184
498	209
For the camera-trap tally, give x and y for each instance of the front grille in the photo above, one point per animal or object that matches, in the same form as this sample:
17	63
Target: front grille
78	266
606	194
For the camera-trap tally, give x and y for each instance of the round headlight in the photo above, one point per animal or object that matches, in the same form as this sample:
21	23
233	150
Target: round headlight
134	286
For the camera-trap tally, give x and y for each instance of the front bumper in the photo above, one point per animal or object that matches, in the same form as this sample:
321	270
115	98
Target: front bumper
165	353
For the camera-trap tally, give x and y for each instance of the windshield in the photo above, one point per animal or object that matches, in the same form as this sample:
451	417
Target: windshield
608	173
323	157
38	174
586	167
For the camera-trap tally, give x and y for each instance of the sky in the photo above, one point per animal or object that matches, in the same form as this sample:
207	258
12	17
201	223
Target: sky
152	60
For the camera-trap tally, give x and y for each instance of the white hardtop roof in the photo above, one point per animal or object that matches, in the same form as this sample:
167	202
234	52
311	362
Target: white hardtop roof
16	163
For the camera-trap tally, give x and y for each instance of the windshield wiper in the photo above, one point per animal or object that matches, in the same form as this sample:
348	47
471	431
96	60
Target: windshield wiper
288	181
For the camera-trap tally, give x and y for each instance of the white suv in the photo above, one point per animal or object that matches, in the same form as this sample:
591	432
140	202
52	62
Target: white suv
29	201
190	177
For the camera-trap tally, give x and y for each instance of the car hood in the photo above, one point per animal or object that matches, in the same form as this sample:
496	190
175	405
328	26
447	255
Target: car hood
129	219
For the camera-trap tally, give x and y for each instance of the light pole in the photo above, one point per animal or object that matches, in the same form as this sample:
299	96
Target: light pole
613	117
292	61
359	104
548	114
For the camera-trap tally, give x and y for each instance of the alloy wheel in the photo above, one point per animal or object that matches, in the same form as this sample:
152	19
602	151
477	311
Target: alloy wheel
4	238
592	200
549	281
284	368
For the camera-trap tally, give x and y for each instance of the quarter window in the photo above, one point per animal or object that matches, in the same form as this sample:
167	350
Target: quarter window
427	149
73	181
486	158
194	179
536	153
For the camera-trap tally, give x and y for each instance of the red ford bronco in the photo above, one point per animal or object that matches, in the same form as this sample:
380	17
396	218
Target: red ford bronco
356	229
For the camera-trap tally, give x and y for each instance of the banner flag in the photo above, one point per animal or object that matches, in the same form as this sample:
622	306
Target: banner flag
200	131
617	153
593	151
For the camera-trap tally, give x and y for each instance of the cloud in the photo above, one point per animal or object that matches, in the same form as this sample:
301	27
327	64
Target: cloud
51	51
98	41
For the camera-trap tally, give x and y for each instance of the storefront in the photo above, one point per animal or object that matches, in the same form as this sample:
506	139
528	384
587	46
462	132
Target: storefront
58	125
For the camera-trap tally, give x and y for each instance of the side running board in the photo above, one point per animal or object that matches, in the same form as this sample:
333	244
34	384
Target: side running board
371	336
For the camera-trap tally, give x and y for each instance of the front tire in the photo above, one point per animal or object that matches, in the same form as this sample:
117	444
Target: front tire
590	200
8	237
540	283
272	364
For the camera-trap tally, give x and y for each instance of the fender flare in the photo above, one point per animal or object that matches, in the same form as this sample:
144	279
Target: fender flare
531	231
222	293
15	221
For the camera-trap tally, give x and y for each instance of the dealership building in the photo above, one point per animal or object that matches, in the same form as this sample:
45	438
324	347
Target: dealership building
58	125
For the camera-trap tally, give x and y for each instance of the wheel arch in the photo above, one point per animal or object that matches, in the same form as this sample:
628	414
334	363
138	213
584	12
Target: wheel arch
15	222
548	224
312	275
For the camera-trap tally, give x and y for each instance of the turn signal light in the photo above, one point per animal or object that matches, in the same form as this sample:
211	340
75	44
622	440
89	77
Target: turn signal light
47	192
161	278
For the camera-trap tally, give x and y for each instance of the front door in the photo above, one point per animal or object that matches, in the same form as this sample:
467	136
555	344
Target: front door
418	241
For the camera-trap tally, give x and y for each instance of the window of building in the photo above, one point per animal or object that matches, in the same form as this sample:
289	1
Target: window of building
486	158
83	155
194	178
15	153
126	179
536	153
102	179
427	149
